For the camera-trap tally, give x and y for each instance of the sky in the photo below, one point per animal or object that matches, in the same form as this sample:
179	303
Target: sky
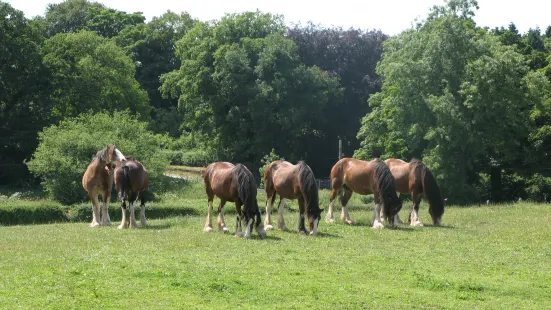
390	16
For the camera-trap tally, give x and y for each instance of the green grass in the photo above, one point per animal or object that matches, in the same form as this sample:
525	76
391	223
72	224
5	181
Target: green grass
489	257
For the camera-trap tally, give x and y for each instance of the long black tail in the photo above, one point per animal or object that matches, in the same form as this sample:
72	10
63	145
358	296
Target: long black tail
125	186
309	188
387	190
246	188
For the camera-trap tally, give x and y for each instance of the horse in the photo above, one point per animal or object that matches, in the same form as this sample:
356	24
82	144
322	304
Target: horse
292	182
233	183
351	175
416	179
131	180
98	178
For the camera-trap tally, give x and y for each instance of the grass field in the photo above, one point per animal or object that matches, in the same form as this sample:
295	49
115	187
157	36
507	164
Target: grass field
489	257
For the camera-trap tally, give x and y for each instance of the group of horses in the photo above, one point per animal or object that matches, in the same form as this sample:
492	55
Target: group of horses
386	180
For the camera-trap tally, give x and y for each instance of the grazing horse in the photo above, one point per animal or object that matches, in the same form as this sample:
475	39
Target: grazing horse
97	179
364	177
416	179
292	182
131	180
233	183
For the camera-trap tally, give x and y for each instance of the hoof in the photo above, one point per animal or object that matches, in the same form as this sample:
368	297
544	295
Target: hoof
262	234
417	224
350	222
269	227
121	226
106	224
225	230
208	229
303	232
94	224
329	221
238	234
312	233
284	228
145	224
378	225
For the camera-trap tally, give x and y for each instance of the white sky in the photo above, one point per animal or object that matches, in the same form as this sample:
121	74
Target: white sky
390	16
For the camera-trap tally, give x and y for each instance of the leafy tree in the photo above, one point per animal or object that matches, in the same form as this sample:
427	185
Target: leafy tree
23	81
453	95
242	84
65	150
109	22
265	161
352	55
91	73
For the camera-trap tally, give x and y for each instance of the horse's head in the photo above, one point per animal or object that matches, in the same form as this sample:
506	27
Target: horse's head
110	155
314	219
392	205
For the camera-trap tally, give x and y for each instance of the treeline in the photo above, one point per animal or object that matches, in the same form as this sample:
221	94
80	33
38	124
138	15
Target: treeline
472	102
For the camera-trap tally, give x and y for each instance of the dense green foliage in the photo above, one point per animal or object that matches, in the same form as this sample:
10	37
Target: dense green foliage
474	103
65	150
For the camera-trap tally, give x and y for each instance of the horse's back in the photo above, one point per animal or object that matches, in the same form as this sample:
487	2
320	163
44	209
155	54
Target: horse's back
285	179
218	178
139	178
356	174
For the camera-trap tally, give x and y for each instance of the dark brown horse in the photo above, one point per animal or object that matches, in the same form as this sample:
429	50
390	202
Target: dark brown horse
233	183
98	179
131	180
292	182
364	177
416	179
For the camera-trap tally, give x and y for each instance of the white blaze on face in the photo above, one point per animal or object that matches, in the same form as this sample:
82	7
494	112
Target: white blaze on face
120	157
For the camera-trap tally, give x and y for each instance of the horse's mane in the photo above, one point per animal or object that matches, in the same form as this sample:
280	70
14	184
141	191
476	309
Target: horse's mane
246	187
308	186
101	155
430	187
386	188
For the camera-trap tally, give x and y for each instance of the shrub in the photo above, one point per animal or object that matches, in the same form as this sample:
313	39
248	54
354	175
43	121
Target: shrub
539	188
267	159
65	150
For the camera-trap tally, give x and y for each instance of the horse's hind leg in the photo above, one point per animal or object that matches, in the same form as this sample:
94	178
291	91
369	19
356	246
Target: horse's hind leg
345	216
105	220
124	223
221	223
208	222
95	209
414	215
301	211
269	205
377	223
143	220
259	226
132	201
239	217
280	220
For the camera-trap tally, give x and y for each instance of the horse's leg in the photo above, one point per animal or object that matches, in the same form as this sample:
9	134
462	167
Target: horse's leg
280	219
208	222
259	226
397	219
105	220
301	211
345	216
143	221
249	223
414	217
239	217
221	223
123	224
377	223
269	206
329	217
132	223
95	208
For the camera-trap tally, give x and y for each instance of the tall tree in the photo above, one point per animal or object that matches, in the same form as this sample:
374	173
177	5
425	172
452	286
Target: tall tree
452	95
242	84
23	82
91	72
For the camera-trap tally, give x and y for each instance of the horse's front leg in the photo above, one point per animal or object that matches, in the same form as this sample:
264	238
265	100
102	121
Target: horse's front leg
143	220
414	215
249	223
259	226
95	209
280	220
269	205
377	223
105	220
329	217
239	218
208	221
300	226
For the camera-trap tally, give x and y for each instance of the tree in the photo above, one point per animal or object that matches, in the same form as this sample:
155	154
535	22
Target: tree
109	22
452	95
152	46
242	84
23	82
352	55
91	73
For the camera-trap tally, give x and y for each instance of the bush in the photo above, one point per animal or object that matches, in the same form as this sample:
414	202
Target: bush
266	160
65	150
539	188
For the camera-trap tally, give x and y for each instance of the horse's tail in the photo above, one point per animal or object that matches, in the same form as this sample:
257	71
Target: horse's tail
431	192
308	187
125	186
246	188
268	175
387	190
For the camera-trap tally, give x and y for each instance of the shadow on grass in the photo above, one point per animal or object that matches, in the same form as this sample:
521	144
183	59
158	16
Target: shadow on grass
439	226
326	235
157	227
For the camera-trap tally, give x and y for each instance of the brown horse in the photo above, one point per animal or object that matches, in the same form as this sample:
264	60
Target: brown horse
98	179
233	183
131	180
416	179
292	182
364	177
